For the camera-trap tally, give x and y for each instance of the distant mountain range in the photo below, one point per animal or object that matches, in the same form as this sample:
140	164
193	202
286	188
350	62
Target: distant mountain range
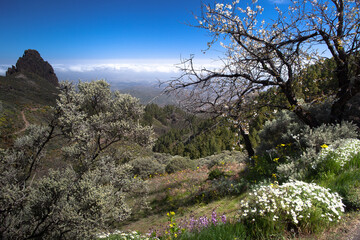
145	91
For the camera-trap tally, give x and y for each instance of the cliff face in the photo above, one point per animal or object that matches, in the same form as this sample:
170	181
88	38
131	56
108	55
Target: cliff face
32	62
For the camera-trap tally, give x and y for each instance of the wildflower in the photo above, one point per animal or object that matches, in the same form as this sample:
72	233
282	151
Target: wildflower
324	146
223	218
213	218
276	160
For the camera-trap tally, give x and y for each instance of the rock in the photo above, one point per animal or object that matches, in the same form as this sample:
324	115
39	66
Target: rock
32	62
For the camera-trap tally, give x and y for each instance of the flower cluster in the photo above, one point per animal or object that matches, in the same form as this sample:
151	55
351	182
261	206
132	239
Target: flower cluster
198	224
125	236
294	202
191	224
342	151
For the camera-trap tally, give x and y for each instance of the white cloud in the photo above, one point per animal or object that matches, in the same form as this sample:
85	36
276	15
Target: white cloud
151	65
123	69
3	69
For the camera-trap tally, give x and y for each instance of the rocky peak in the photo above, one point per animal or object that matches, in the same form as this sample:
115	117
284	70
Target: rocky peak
32	62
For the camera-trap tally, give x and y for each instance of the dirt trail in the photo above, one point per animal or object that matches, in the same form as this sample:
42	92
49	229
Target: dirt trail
27	124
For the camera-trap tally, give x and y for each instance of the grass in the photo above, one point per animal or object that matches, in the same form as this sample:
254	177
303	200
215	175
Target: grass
222	232
175	192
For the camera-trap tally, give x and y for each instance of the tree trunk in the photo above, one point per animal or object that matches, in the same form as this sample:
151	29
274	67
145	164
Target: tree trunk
303	115
248	146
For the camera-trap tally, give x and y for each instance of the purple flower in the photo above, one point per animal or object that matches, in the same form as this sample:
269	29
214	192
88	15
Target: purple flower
203	222
213	218
223	218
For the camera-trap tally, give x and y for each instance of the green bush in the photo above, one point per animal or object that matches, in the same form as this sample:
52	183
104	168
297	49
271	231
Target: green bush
223	158
146	166
313	164
287	128
279	131
326	134
178	163
216	174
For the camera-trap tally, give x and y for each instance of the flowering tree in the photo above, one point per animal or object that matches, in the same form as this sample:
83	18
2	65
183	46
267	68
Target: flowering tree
262	54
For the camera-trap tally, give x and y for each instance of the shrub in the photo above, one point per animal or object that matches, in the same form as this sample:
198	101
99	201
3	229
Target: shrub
89	195
341	151
271	209
286	128
216	174
312	164
146	166
178	163
223	158
279	131
263	167
326	134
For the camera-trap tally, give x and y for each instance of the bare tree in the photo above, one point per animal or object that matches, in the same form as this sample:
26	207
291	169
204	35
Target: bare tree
262	54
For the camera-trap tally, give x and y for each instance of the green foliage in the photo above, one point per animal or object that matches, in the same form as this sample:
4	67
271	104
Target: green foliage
326	134
279	131
317	80
147	166
261	168
337	167
313	162
216	174
88	195
222	158
205	137
179	163
228	231
286	128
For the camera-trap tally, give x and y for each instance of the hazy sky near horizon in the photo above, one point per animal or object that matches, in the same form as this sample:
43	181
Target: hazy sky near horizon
115	39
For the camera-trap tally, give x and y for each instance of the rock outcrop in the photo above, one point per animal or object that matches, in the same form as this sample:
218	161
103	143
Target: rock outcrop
32	62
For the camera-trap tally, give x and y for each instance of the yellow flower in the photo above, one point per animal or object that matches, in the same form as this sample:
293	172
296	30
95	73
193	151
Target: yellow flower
172	213
171	225
324	146
283	145
175	235
168	214
276	159
274	175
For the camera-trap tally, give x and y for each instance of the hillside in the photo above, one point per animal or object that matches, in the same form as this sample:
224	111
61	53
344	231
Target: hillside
24	89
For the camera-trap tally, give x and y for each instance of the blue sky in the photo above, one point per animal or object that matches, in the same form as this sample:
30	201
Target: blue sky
105	38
